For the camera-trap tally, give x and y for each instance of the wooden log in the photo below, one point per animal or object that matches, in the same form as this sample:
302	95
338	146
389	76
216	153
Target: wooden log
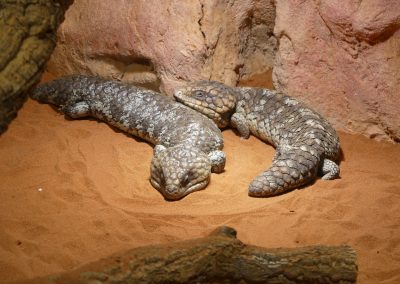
217	258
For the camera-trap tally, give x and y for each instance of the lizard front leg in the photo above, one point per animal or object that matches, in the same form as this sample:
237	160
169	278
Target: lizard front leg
238	121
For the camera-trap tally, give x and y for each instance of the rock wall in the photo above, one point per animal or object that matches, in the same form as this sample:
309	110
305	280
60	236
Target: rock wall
162	44
340	57
343	58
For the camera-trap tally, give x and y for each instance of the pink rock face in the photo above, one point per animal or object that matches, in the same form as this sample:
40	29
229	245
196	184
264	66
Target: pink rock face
163	44
343	59
130	40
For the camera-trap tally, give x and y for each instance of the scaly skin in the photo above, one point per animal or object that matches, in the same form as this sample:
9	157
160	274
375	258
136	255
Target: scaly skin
306	143
187	143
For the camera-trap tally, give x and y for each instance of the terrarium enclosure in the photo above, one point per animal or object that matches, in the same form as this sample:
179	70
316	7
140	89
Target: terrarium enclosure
74	191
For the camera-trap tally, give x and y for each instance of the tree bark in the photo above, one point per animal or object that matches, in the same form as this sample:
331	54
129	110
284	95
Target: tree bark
218	258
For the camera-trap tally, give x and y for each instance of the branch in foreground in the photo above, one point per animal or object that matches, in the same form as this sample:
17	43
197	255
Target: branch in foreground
219	257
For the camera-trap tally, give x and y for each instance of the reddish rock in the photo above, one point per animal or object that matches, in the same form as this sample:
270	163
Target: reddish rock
166	43
343	58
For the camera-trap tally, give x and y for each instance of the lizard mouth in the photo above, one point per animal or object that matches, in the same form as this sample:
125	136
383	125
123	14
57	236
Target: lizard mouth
179	193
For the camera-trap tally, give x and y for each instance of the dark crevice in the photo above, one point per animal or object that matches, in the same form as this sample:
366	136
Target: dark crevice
200	22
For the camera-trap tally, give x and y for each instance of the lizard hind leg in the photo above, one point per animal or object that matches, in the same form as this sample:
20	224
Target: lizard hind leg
76	110
217	159
329	170
238	121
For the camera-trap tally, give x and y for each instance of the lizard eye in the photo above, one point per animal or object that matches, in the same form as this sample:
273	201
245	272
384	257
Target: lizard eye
199	94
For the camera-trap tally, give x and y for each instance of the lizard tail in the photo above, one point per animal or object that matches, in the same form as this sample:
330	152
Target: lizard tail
290	168
47	93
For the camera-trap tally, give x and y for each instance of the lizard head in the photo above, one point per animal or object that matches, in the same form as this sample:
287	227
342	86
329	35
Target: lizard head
179	170
213	99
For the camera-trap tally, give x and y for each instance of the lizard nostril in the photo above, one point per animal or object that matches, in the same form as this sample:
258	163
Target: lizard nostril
184	180
161	178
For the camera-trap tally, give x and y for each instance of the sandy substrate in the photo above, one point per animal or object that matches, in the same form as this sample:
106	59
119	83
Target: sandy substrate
74	191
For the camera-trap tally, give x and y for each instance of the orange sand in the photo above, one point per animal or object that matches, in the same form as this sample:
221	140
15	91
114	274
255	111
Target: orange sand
95	199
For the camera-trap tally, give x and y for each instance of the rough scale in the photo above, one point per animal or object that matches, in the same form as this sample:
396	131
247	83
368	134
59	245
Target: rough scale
187	143
306	144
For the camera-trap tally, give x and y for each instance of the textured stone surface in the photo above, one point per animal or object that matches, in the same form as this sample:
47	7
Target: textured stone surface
28	36
166	43
343	58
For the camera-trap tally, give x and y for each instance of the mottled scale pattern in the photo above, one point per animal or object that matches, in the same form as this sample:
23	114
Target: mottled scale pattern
187	144
306	144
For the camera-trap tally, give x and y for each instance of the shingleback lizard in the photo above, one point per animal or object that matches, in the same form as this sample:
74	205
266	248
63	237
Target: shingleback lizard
306	144
187	144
